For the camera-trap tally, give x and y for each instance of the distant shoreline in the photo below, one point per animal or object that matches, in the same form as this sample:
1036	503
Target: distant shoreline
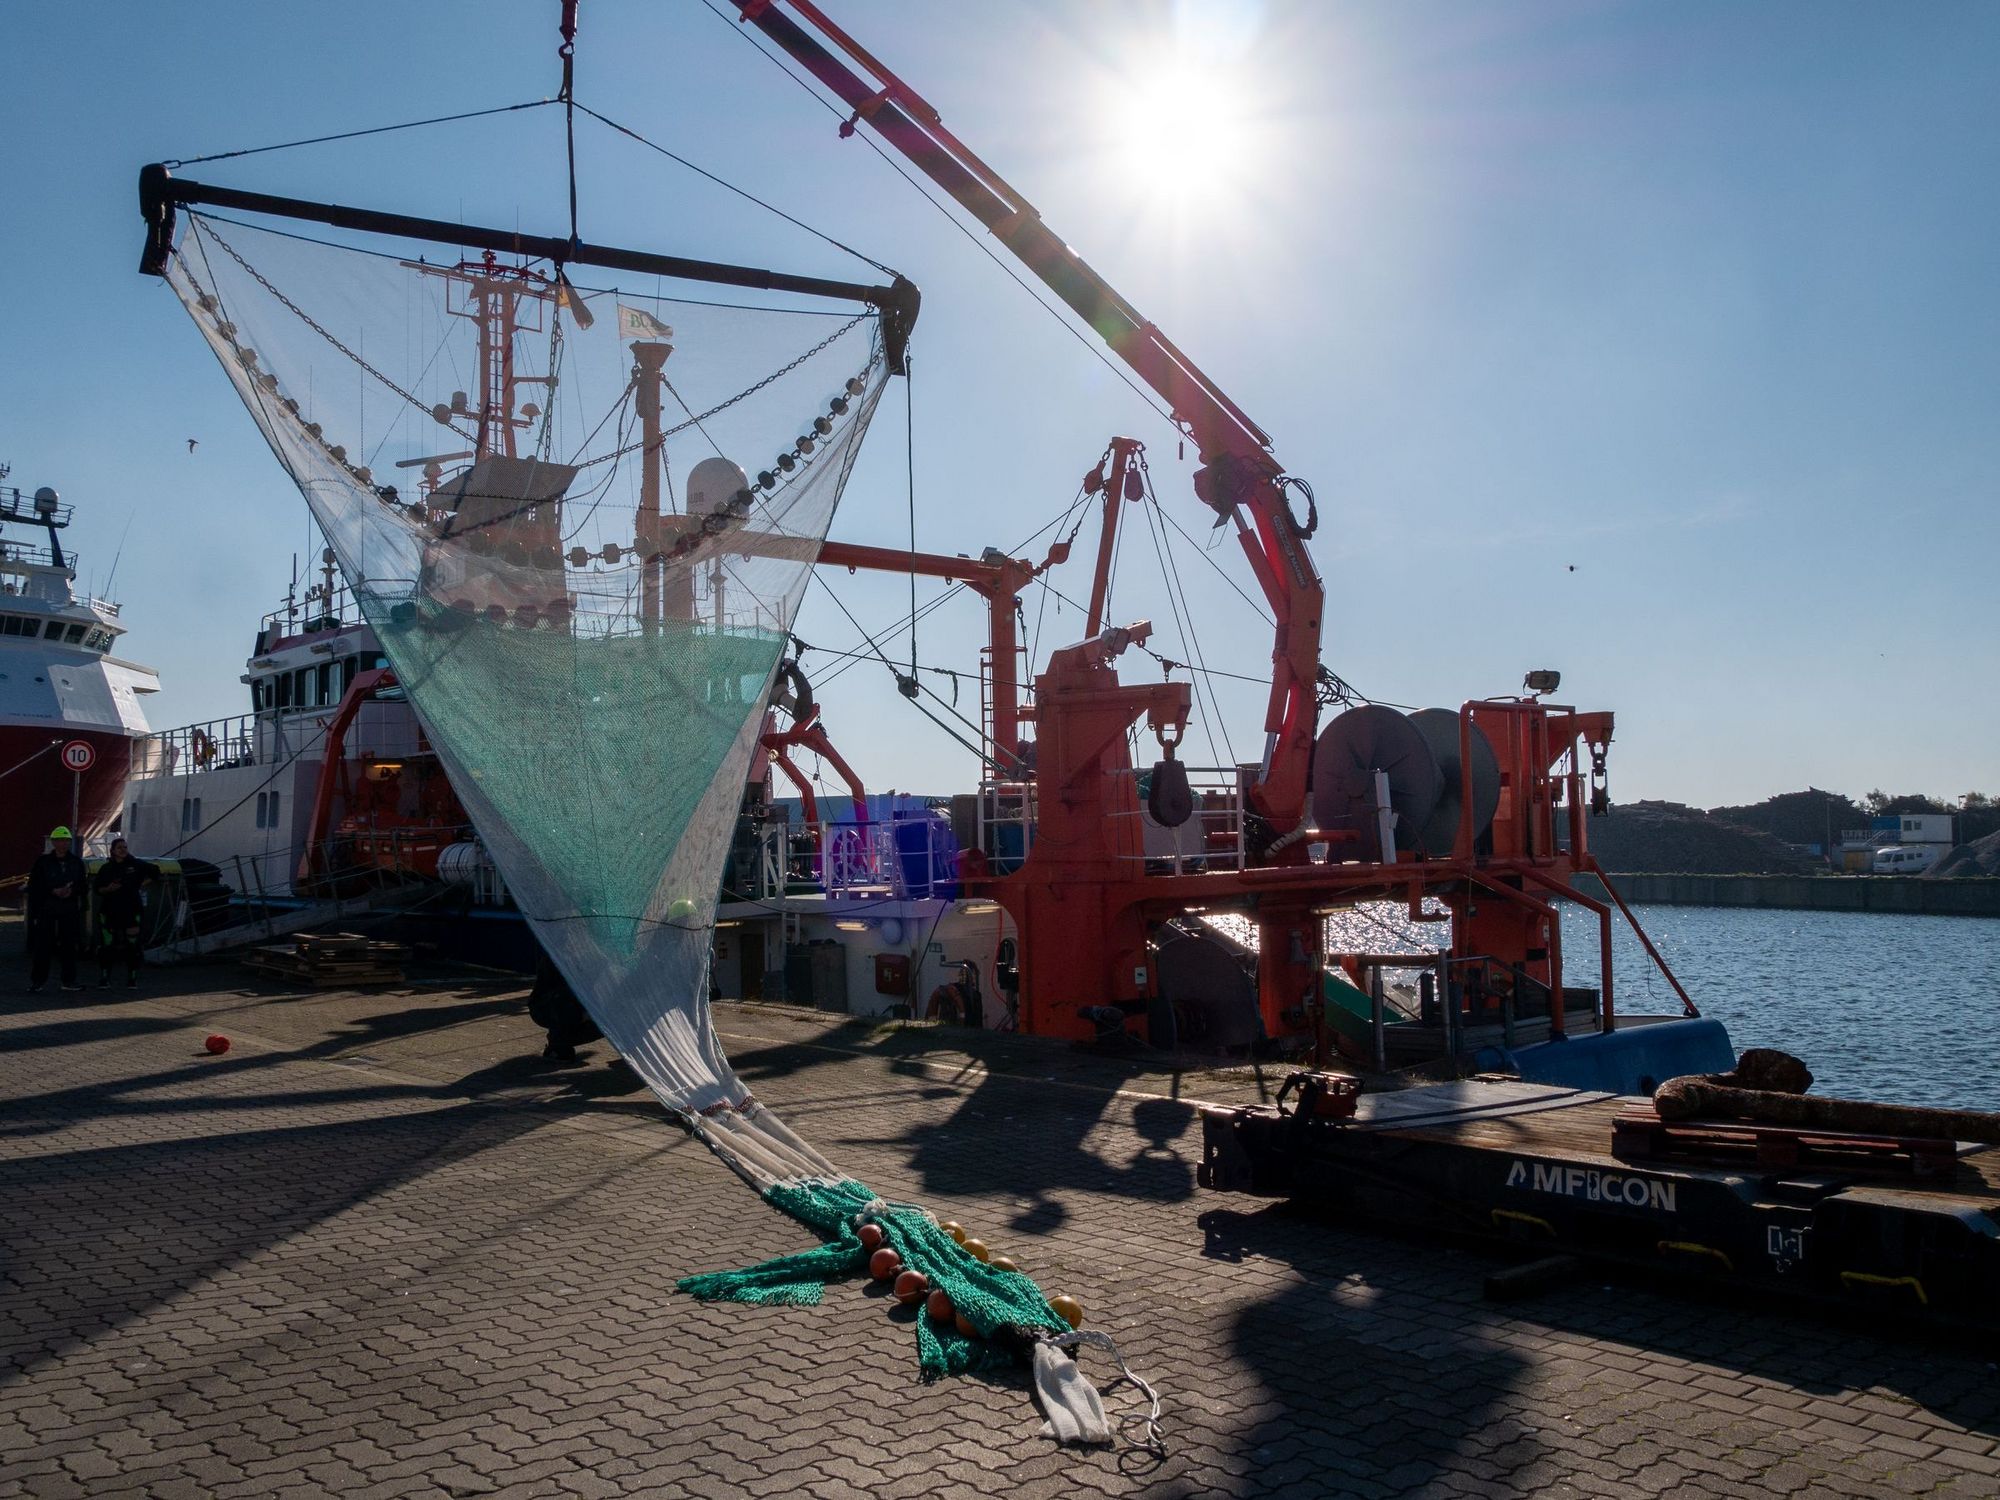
1906	895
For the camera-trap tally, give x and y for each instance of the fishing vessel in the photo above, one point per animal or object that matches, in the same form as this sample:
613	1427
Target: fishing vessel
72	716
324	784
601	712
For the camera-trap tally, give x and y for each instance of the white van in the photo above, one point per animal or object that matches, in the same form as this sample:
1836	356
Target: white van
1899	859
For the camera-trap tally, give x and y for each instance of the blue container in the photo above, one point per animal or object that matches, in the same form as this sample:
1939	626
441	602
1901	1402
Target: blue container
926	856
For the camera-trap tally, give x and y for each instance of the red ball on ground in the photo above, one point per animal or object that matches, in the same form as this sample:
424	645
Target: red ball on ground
964	1325
872	1236
884	1263
912	1287
217	1044
939	1307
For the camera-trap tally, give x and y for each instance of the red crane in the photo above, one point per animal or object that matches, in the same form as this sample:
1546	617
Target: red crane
1239	479
1086	907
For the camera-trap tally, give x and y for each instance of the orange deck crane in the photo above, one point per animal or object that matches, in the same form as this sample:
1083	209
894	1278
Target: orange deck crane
1087	902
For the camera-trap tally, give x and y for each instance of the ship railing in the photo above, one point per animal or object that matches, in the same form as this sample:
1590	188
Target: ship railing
1006	823
912	859
15	506
1211	839
206	746
319	608
28	555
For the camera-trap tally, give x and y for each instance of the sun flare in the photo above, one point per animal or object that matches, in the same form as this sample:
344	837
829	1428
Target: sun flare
1180	131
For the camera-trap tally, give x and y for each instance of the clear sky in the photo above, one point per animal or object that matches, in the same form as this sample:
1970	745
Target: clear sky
1658	343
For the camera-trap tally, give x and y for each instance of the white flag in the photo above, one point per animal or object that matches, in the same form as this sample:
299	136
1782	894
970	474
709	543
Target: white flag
637	323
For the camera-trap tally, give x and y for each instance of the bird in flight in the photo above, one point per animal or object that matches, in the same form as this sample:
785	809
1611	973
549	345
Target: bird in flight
191	443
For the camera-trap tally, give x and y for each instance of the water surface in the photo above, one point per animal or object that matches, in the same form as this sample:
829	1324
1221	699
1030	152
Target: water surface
1883	1006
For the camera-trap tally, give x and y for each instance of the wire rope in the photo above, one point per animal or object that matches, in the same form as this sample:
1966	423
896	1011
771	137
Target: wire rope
1144	394
350	135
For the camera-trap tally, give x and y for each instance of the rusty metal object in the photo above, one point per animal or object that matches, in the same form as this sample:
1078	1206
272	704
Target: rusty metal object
1768	1087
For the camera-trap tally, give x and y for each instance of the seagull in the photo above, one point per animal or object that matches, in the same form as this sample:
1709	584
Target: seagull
191	443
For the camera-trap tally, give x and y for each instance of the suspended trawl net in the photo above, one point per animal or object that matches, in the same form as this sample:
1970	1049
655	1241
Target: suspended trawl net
580	522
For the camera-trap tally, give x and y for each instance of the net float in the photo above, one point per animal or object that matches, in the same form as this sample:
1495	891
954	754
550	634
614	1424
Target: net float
1068	1309
964	1325
953	1228
872	1237
1002	1263
977	1249
912	1287
884	1263
938	1305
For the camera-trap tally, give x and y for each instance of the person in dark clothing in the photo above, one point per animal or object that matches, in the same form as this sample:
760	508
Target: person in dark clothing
121	883
553	1006
56	883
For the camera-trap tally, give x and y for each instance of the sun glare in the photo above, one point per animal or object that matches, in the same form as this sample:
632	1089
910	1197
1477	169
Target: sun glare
1179	131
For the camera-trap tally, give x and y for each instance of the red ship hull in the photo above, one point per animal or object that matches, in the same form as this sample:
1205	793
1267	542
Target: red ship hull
44	794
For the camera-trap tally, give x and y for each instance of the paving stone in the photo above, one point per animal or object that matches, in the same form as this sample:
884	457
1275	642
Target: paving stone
443	1271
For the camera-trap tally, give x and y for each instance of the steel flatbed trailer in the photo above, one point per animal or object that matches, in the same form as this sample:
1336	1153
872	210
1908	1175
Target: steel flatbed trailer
1910	1226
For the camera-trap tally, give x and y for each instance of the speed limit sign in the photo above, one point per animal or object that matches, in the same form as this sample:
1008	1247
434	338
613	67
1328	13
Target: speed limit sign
78	755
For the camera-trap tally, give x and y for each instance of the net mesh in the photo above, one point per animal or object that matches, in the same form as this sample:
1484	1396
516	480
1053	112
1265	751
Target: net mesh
992	1301
579	522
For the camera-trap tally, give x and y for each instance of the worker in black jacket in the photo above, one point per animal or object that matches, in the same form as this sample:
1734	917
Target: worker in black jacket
121	883
56	883
553	1006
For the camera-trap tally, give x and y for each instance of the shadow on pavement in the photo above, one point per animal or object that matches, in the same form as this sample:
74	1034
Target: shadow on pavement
94	1238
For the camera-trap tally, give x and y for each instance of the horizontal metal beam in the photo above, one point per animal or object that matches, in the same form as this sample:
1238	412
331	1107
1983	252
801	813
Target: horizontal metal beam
160	193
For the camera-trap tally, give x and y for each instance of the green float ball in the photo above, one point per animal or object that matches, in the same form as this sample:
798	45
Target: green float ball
681	910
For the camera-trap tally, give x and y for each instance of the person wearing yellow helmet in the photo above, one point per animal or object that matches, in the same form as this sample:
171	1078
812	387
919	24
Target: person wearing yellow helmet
56	884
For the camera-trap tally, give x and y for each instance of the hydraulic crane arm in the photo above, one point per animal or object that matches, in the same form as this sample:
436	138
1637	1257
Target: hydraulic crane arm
1239	480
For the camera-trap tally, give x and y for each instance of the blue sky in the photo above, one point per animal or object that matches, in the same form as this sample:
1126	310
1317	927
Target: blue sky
1656	343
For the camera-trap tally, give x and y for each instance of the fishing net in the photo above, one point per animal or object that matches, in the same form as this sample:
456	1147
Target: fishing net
579	522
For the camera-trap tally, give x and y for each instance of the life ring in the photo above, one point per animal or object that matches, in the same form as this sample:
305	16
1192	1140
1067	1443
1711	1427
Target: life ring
202	749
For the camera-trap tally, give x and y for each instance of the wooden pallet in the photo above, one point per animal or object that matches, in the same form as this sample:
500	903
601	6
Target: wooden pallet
1639	1134
332	960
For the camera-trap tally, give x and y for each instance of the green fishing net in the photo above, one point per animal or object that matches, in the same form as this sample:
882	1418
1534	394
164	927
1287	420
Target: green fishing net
578	523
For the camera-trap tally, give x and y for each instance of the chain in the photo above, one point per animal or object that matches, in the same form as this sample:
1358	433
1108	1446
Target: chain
545	439
742	395
307	318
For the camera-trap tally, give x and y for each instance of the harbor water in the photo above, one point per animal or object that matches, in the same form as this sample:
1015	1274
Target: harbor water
1880	1006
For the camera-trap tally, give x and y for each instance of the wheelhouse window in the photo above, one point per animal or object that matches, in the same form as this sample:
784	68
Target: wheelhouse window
53	631
15	625
75	635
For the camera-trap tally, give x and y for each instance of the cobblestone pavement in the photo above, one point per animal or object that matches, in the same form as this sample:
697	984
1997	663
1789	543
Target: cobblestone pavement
375	1250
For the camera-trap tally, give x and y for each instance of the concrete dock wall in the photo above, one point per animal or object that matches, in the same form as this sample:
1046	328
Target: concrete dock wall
1883	893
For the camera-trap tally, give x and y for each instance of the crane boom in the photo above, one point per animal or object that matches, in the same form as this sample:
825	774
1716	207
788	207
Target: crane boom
1239	477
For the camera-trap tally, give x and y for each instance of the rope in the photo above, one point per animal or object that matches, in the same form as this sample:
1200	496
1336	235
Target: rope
348	135
307	318
743	193
695	420
984	249
1153	1442
910	481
